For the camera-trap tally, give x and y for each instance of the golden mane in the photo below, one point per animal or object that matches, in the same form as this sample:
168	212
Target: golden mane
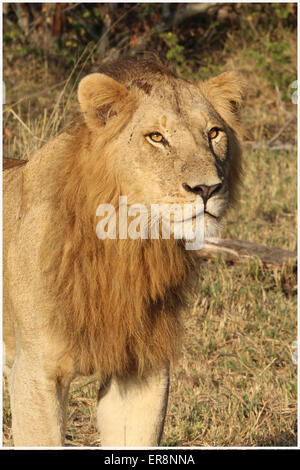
120	303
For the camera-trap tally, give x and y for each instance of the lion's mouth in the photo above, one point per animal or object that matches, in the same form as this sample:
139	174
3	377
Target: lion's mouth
194	217
205	213
188	219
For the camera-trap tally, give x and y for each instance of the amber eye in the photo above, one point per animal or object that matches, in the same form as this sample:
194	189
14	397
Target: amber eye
156	137
213	133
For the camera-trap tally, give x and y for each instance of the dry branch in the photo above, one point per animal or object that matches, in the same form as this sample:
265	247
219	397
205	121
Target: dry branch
12	163
238	251
263	146
191	9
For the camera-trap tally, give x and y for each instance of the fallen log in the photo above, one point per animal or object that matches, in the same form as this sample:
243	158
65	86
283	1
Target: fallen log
238	251
12	163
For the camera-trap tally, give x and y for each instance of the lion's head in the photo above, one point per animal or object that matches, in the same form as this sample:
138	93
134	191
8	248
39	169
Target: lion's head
170	141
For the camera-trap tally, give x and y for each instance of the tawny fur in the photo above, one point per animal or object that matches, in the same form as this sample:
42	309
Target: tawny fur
117	301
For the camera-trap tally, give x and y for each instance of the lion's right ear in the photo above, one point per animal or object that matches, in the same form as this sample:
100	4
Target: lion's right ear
99	97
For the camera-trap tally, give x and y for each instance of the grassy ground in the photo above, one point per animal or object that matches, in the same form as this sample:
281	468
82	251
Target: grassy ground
235	384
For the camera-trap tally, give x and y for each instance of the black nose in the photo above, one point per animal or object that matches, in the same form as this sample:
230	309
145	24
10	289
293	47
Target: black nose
203	190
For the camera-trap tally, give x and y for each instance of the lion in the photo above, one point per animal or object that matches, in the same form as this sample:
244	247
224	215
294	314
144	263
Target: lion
75	304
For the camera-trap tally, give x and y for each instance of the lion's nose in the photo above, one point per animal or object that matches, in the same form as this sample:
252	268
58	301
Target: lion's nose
203	190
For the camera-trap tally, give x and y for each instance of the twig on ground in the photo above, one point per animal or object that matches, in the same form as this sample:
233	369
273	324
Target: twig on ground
262	145
238	251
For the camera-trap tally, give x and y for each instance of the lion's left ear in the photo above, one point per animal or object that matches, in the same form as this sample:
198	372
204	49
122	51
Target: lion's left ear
99	96
226	93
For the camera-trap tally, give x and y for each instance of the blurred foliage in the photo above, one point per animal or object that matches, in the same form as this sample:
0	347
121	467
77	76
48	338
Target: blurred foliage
195	42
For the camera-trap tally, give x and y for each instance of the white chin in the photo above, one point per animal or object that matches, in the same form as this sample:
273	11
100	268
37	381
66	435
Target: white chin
189	230
211	227
196	233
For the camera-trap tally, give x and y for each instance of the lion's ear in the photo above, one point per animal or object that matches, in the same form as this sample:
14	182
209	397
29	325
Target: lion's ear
226	93
99	96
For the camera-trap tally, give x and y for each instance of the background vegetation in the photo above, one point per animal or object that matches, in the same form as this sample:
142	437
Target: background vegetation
235	384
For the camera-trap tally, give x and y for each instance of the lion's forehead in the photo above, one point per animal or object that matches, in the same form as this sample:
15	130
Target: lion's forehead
182	105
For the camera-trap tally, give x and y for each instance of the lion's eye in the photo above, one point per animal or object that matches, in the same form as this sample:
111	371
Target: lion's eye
156	137
213	133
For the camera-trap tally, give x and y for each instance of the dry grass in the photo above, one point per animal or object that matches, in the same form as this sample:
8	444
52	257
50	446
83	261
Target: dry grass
235	384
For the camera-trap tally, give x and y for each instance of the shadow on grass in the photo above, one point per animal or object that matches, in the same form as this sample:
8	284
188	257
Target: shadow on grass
285	439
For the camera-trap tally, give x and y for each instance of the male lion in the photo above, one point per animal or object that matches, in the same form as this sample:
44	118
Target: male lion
76	304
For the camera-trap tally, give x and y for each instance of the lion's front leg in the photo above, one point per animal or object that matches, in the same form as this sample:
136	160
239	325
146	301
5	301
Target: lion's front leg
38	403
131	412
